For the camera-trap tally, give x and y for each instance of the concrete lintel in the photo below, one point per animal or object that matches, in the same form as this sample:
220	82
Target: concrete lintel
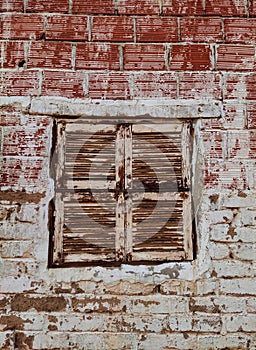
64	107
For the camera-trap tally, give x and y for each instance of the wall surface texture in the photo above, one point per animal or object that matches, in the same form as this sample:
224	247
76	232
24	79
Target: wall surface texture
126	58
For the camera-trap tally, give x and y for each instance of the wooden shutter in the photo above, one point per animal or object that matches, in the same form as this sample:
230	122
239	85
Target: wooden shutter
122	193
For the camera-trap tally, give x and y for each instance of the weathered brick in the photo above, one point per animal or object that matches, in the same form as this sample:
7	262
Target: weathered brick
25	141
234	115
218	251
238	144
22	83
235	57
93	7
240	86
228	341
240	30
26	173
183	7
14	54
206	323
16	249
213	144
190	57
248	217
21	26
156	29
252	8
11	5
225	8
112	28
240	323
23	303
68	84
144	57
251	115
134	7
97	56
109	86
155	85
232	268
47	6
199	85
201	29
63	27
49	55
244	251
238	286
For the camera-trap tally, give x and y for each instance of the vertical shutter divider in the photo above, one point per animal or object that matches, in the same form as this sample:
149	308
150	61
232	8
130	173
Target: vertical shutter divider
128	192
120	205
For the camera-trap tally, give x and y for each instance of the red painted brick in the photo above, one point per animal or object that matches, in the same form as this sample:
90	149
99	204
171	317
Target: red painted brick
21	26
156	29
106	7
251	115
235	57
47	6
147	57
109	86
213	144
20	83
190	57
11	116
240	86
183	7
155	85
30	168
13	54
225	8
97	56
252	7
25	141
11	5
199	85
64	27
50	55
135	7
234	115
240	30
112	29
252	145
201	29
67	84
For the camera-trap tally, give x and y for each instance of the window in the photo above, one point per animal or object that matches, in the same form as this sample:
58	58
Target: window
122	193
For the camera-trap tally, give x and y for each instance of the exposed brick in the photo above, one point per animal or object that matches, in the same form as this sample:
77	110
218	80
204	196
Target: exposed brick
235	57
63	27
13	54
21	26
156	29
155	85
252	7
11	5
147	57
109	86
240	30
47	6
251	115
97	56
142	7
68	84
225	8
25	141
22	83
49	55
201	29
199	85
213	144
183	7
23	173
190	57
238	144
23	303
240	86
112	29
93	7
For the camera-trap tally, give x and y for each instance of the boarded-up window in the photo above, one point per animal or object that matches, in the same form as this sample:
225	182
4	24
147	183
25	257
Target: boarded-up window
122	193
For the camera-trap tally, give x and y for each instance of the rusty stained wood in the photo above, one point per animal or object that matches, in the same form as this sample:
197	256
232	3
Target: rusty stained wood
124	232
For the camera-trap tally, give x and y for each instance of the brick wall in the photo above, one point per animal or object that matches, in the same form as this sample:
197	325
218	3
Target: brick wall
186	58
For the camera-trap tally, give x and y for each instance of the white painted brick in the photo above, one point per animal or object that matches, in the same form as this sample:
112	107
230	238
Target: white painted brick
159	305
240	323
220	216
238	286
244	251
230	304
173	341
248	217
181	323
233	268
229	341
219	251
12	249
244	199
206	323
251	305
220	233
245	234
207	287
